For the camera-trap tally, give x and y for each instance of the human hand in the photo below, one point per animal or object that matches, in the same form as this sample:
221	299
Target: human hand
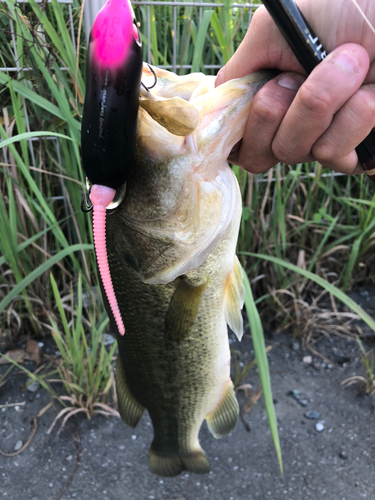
323	117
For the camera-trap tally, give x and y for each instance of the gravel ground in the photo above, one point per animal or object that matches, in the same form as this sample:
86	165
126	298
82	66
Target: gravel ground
104	459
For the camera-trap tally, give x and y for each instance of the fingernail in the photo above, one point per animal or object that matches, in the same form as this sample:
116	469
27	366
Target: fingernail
346	61
290	82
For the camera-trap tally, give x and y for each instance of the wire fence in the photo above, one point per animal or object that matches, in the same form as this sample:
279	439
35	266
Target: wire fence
92	7
248	9
19	70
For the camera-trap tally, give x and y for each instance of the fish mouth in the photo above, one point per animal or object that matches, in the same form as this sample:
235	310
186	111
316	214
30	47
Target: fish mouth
179	111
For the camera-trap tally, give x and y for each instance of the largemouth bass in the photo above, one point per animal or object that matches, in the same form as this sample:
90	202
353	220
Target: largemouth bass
171	252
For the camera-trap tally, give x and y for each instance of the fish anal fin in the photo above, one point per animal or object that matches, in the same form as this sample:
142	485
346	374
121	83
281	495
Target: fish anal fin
234	299
130	410
170	465
223	419
183	310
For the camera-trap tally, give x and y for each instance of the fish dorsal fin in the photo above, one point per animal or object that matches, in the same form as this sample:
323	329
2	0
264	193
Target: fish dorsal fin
223	419
183	310
234	296
130	410
178	116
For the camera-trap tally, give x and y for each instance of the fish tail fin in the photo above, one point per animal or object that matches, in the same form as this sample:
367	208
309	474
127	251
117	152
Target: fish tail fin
223	419
130	410
170	465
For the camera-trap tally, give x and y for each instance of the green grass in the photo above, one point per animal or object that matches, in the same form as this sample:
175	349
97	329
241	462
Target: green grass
257	335
301	229
86	367
367	382
200	37
40	209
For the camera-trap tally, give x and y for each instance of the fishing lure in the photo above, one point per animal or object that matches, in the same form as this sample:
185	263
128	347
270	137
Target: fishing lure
109	122
113	78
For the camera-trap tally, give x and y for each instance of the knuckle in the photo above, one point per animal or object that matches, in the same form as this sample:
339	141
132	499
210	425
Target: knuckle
317	103
248	165
283	153
323	152
255	167
366	98
268	109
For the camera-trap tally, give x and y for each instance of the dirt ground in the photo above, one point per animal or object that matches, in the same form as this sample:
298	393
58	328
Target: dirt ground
104	459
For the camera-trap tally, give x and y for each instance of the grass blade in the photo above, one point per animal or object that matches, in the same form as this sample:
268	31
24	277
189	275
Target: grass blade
200	41
29	135
40	270
323	283
262	362
220	37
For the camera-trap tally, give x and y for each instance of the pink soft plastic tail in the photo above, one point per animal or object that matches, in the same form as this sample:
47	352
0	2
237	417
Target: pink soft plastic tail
101	196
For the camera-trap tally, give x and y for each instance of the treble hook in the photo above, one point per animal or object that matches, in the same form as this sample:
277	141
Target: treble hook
155	82
87	206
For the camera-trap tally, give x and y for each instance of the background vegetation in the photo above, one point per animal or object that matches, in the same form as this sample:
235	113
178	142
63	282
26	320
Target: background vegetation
305	232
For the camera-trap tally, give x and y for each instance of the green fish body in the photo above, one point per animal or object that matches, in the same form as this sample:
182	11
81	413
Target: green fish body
171	250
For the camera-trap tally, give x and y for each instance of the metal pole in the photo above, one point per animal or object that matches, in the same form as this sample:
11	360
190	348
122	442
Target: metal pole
92	8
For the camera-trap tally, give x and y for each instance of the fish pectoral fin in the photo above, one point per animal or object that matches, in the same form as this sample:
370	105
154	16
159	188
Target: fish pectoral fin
170	465
223	419
234	296
183	310
178	116
130	410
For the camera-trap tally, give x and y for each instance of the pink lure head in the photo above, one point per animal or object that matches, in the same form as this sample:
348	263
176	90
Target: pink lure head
114	32
101	196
